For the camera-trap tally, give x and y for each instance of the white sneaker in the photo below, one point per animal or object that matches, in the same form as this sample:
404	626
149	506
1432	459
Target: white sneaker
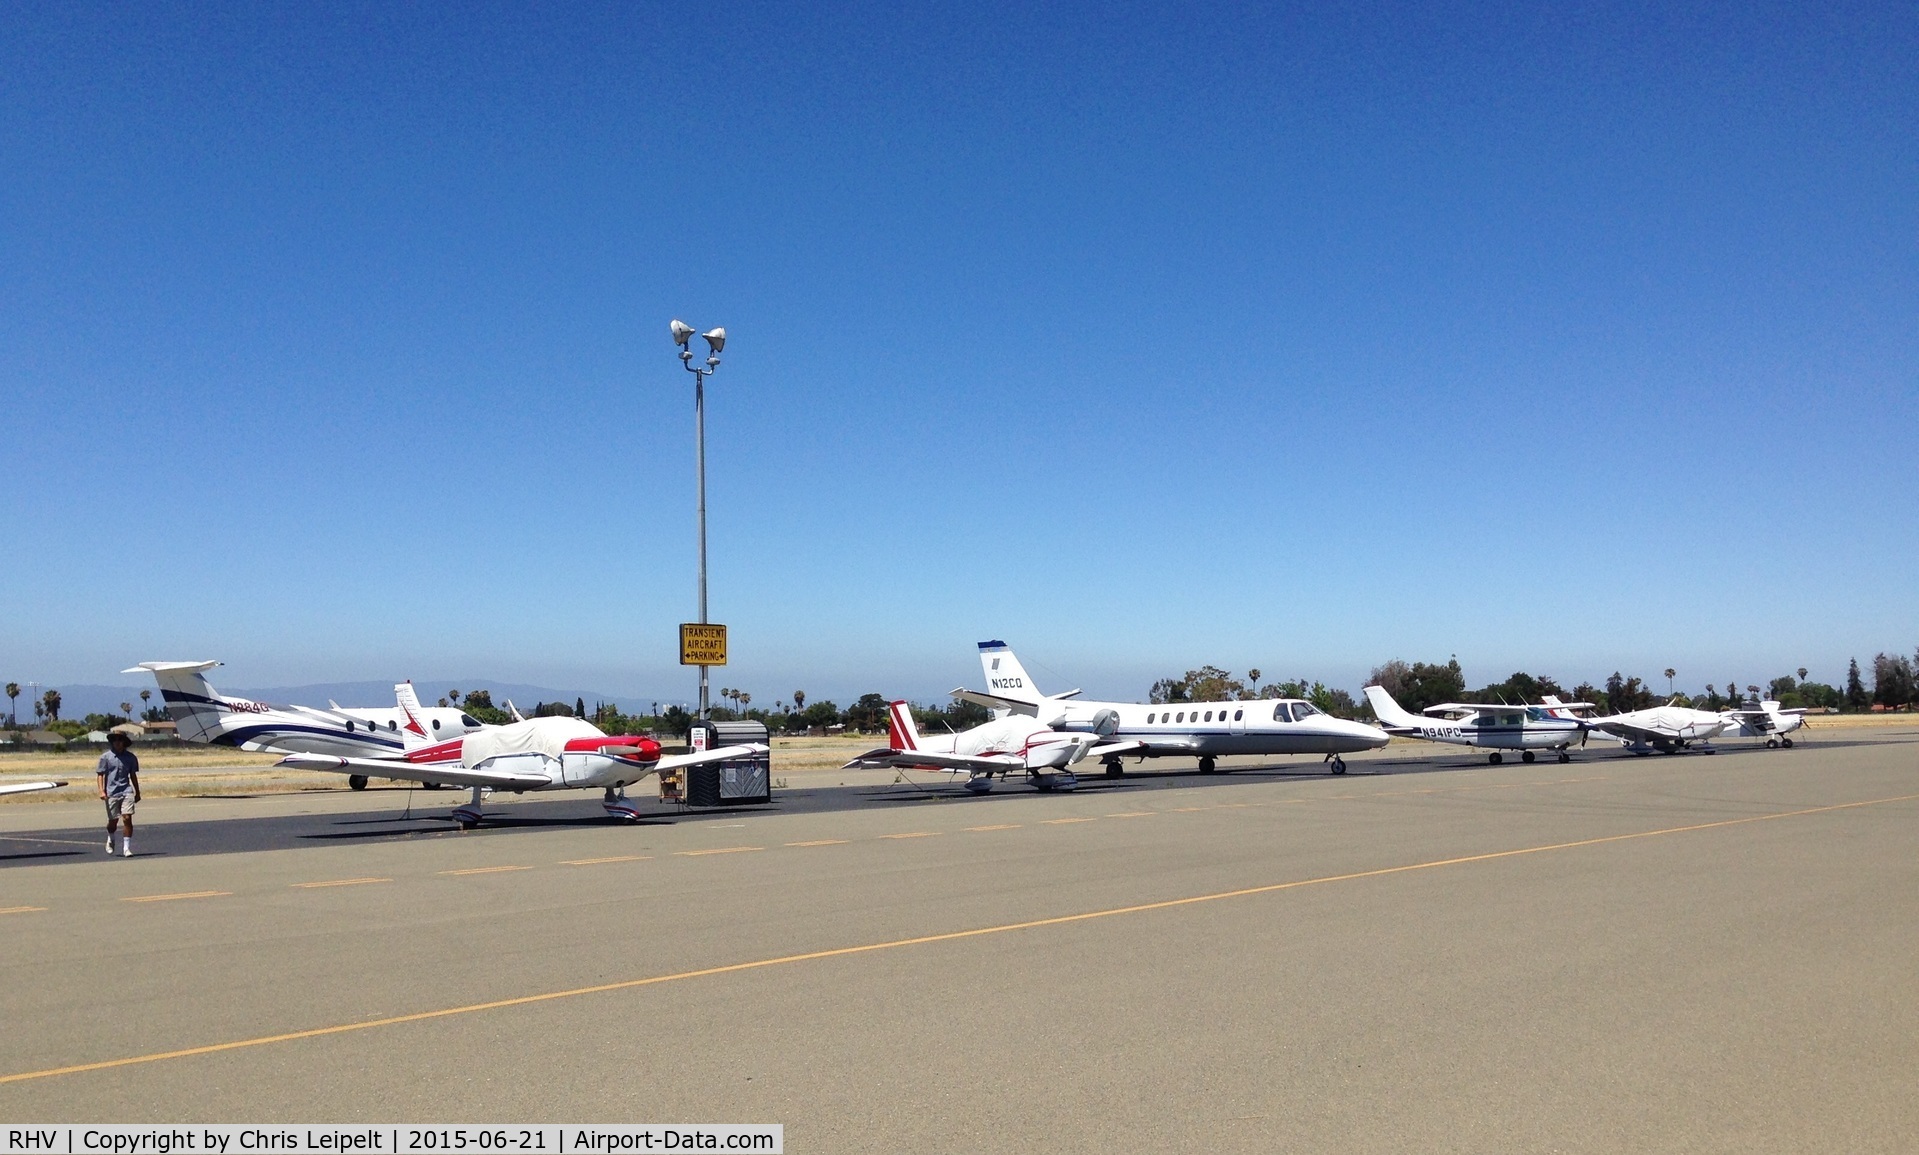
126	849
109	846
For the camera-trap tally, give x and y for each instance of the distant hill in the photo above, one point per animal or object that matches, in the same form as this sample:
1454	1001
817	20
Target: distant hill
79	701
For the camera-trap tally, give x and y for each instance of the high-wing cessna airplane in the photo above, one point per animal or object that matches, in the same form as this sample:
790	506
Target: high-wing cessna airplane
1495	727
1203	730
535	754
26	787
205	715
1016	742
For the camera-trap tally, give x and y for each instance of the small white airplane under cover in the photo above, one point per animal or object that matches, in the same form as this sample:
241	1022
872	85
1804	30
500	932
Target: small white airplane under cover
1203	730
1670	729
1493	727
28	787
1014	743
534	754
205	715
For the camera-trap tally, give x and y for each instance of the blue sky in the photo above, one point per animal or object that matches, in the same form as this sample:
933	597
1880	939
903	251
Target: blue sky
333	340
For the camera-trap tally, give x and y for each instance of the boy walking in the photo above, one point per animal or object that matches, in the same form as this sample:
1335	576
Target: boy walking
119	773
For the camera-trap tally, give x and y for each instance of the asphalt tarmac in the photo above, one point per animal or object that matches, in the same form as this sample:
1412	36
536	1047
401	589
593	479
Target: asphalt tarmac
1667	953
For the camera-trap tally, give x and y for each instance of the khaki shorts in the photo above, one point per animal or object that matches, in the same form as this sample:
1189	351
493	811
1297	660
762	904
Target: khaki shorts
120	806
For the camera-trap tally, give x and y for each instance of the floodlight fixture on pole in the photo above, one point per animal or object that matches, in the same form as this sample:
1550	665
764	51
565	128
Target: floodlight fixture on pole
715	340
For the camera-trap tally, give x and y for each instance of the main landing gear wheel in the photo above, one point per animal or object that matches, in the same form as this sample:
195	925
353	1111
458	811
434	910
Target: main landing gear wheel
1772	743
1113	768
1564	756
1339	764
1527	756
1207	765
1786	742
356	781
1495	759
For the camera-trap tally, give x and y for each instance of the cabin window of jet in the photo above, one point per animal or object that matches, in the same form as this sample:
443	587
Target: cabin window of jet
1238	714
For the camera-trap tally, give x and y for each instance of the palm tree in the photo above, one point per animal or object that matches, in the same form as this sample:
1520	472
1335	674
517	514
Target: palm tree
1670	674
799	700
745	699
13	703
52	700
453	696
1802	673
145	697
126	708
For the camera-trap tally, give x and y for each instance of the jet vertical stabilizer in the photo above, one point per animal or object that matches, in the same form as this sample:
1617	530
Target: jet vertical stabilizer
194	705
1005	677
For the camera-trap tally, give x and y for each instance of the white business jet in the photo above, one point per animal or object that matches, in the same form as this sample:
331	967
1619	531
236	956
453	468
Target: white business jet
1203	730
1495	727
28	787
205	715
1016	742
536	754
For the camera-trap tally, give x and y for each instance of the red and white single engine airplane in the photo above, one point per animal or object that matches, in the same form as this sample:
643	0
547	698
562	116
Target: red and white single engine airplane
1015	742
534	754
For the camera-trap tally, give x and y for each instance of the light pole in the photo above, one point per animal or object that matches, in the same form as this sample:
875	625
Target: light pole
715	341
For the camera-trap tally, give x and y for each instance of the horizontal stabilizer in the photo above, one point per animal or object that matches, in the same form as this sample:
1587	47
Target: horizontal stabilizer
995	702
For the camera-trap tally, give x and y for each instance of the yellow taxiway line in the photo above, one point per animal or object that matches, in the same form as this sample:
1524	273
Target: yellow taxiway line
188	894
338	882
919	940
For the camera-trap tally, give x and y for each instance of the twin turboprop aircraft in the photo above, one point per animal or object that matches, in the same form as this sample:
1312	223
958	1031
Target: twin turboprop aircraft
203	714
533	754
1005	745
1526	729
1203	730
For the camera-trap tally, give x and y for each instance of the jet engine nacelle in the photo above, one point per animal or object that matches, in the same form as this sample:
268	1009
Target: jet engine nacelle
1104	723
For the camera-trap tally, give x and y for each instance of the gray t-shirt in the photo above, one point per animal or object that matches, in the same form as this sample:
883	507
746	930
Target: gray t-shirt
118	770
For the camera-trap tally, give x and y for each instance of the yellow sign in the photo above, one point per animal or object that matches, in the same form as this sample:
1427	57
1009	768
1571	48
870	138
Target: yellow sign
702	644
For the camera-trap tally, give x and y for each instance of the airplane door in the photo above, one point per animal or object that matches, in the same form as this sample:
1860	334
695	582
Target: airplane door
1237	725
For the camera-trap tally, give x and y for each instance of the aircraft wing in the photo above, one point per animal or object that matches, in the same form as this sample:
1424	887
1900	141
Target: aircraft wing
717	754
1639	732
1111	748
995	702
451	773
923	760
1170	743
27	787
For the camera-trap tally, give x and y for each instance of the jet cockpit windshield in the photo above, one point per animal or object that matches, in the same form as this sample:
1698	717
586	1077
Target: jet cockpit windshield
1303	711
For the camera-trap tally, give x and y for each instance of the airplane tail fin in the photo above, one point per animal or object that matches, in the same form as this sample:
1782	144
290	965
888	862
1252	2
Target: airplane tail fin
413	735
191	701
1387	710
1005	677
901	733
